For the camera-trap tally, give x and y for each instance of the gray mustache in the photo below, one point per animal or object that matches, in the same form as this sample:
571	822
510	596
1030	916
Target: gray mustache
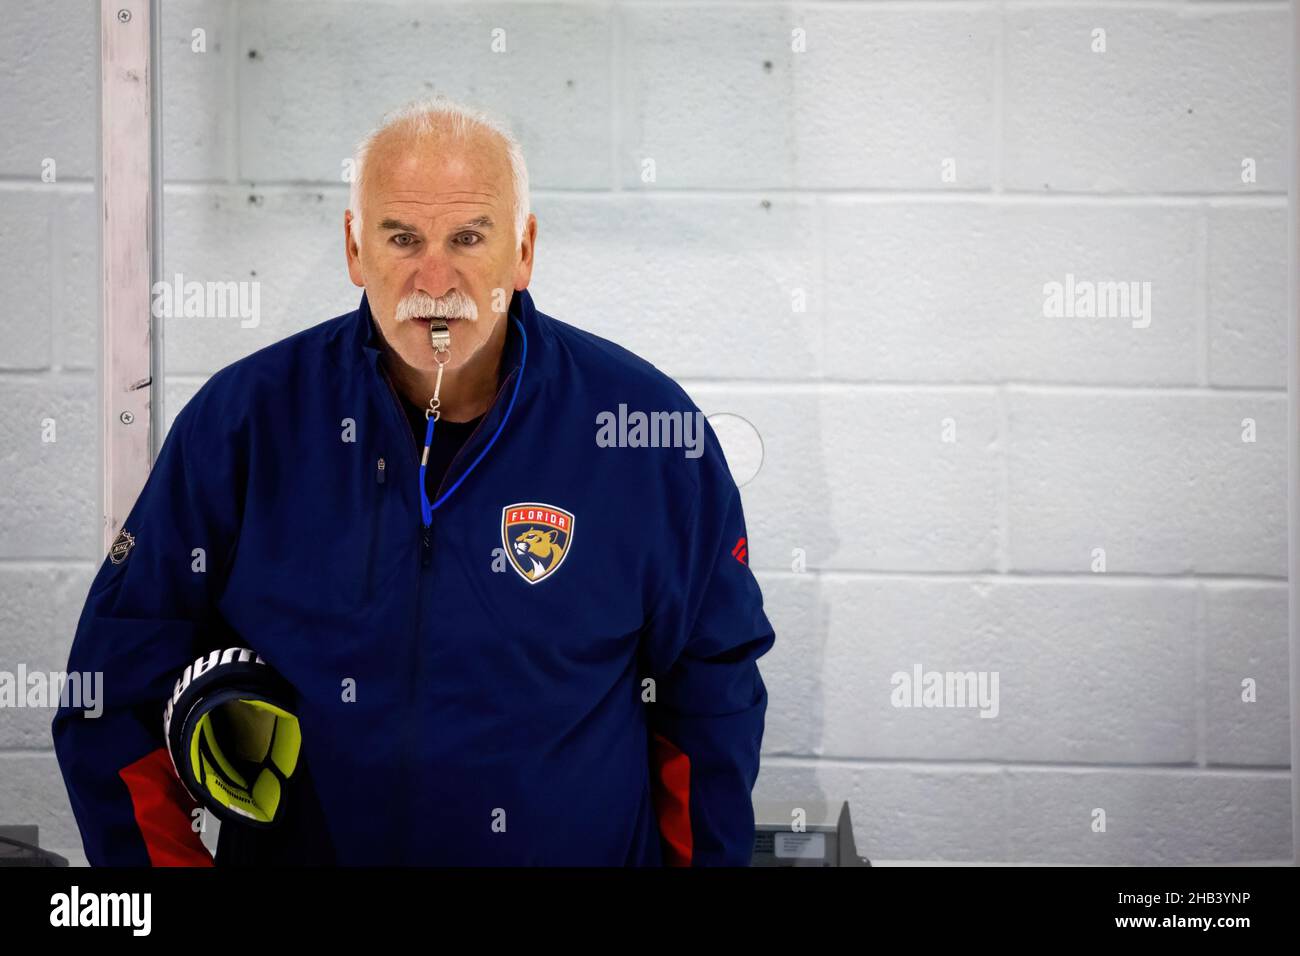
450	307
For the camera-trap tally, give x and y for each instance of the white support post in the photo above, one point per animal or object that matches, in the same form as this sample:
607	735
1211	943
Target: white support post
1293	425
128	246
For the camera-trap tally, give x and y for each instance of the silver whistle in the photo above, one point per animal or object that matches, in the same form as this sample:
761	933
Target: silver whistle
439	334
440	338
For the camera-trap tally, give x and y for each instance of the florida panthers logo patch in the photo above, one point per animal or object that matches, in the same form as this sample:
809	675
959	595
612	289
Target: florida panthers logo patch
537	538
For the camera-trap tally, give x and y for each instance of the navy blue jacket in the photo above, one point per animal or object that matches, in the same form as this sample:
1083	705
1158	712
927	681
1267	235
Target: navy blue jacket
559	669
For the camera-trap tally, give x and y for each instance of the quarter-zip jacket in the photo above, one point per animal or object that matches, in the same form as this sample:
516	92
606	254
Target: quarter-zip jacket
453	711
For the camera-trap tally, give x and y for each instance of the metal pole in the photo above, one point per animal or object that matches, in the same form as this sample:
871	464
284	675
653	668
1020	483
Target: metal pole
127	195
157	392
1293	426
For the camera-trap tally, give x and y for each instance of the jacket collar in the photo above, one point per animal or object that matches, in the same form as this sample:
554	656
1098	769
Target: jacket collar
366	339
522	367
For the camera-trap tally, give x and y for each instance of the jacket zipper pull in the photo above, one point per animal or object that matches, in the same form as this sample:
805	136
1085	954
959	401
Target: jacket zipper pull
426	548
380	471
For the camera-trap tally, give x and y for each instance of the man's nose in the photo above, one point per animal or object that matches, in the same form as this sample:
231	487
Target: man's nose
434	273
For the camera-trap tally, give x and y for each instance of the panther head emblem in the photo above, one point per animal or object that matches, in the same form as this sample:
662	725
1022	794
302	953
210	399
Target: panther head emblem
539	549
537	538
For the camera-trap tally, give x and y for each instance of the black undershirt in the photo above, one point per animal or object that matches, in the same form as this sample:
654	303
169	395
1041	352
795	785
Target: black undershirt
448	437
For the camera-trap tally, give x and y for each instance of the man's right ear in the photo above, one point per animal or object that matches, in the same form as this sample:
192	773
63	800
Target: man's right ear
352	251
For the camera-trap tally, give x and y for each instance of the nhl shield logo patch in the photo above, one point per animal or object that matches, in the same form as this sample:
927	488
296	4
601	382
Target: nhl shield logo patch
122	546
537	538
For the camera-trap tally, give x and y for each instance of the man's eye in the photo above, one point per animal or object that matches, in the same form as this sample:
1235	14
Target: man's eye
404	235
471	235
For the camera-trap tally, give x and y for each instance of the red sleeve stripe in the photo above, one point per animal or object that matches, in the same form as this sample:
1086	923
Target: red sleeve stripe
162	812
670	773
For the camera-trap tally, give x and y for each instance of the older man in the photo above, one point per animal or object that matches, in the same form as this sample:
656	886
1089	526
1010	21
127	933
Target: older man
504	641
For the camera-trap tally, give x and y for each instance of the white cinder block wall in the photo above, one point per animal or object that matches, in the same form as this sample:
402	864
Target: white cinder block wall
847	246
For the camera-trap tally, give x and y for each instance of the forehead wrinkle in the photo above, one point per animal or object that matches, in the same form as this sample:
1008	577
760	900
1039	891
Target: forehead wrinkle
452	204
450	192
396	204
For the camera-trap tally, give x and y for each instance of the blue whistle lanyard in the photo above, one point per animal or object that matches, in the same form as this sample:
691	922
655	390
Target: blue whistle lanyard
427	509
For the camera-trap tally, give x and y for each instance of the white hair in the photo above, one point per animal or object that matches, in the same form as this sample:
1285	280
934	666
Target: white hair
439	114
